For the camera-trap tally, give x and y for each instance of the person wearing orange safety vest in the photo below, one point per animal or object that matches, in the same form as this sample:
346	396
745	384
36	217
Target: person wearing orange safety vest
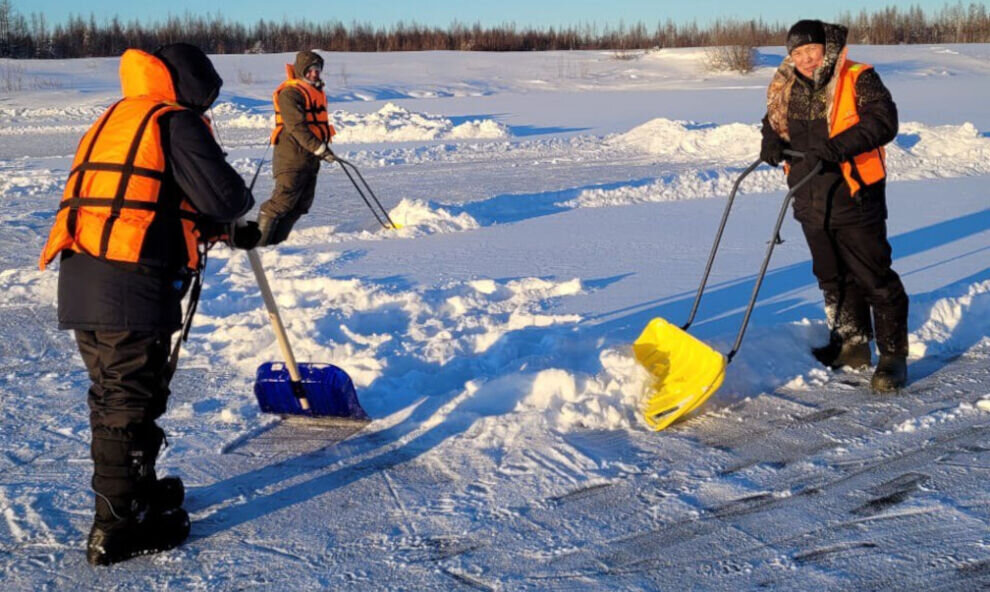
148	190
302	138
840	114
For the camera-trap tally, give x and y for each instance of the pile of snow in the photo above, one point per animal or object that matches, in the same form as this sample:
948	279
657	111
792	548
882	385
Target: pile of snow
692	184
925	152
610	400
232	115
951	324
12	115
367	326
687	141
18	181
919	152
392	123
416	217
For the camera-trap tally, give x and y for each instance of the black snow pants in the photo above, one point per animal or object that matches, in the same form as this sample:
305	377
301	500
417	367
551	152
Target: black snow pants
291	198
853	268
130	377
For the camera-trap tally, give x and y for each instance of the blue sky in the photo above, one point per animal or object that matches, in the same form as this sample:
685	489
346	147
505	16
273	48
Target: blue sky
442	12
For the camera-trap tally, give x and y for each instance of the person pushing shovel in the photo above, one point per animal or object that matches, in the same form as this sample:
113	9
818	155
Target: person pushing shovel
302	138
838	112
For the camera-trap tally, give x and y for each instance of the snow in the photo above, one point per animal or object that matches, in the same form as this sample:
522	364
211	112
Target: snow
550	205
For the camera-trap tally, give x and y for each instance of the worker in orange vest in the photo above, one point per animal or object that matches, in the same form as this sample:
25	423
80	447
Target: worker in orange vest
840	114
148	191
302	138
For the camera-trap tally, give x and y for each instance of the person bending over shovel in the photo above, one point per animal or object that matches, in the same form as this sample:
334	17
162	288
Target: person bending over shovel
301	137
839	113
148	190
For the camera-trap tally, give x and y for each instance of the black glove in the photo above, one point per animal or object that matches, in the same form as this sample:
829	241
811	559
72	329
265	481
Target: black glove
824	153
245	237
329	156
772	151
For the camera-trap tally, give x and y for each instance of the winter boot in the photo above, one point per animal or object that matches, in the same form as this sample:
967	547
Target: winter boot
890	375
267	224
159	495
133	536
166	494
837	354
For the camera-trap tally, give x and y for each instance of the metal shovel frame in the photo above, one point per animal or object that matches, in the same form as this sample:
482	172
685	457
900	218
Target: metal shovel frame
380	214
766	259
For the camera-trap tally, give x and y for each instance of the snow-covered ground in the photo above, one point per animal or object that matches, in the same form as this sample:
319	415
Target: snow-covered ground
551	203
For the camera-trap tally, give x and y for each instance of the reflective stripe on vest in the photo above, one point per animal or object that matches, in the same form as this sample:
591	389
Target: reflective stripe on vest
314	110
866	168
112	195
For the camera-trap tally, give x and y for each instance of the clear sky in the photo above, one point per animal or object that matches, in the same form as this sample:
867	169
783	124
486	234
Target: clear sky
537	13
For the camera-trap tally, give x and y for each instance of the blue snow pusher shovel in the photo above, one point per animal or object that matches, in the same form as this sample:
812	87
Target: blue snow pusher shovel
292	389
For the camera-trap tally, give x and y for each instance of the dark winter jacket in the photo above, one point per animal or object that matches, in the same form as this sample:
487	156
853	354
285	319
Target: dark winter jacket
98	295
826	200
297	147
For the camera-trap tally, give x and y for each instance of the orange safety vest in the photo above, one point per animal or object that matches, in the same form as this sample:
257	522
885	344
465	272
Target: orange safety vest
866	168
315	108
112	195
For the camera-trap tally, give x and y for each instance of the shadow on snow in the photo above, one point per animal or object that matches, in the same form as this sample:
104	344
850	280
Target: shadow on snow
433	389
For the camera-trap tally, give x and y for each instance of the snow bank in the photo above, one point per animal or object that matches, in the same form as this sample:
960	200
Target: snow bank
693	184
416	217
925	152
687	141
919	152
392	123
951	324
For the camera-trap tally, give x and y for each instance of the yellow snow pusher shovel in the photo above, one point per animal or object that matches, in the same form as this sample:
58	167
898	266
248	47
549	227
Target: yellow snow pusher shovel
686	371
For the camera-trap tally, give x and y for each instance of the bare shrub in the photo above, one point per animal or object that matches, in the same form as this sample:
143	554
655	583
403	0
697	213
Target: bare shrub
626	55
735	58
11	77
14	78
245	77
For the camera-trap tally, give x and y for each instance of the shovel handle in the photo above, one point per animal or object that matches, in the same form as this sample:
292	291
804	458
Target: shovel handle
766	259
279	328
718	239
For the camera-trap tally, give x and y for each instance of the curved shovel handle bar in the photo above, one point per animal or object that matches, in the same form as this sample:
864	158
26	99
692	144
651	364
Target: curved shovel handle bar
766	259
381	214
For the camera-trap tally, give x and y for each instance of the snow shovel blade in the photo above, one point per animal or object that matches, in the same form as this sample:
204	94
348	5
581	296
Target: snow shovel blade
328	389
686	370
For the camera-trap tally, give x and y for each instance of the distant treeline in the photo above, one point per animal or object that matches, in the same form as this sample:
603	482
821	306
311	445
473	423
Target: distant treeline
33	36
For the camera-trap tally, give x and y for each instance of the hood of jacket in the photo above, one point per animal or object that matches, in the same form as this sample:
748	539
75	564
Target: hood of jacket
179	73
305	59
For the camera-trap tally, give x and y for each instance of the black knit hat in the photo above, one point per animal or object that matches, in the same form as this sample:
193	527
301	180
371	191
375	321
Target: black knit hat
804	33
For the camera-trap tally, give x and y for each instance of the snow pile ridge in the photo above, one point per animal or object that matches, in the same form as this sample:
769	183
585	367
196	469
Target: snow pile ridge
924	152
951	324
608	401
416	217
233	115
393	123
687	141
